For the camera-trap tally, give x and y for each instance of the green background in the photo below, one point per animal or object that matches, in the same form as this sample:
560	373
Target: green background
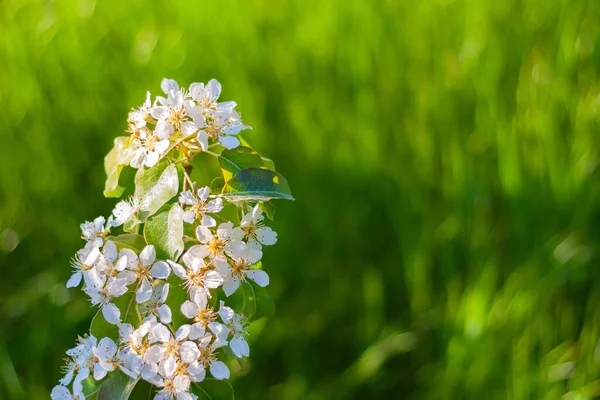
443	154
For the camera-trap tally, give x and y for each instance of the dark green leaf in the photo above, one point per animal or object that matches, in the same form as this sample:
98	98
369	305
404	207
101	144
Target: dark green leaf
165	231
235	160
257	184
116	387
129	241
155	186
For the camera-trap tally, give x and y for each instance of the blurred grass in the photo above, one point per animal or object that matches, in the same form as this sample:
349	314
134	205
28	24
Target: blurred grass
443	155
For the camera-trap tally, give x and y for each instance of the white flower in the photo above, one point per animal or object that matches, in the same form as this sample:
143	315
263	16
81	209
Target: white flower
137	343
221	124
199	276
62	393
82	266
206	96
204	317
242	258
138	118
105	353
144	270
156	304
215	245
94	232
254	230
147	148
106	263
200	206
236	326
125	210
102	291
173	112
80	359
208	358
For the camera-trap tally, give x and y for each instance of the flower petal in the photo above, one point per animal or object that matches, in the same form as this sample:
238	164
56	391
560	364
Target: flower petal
259	276
111	313
219	370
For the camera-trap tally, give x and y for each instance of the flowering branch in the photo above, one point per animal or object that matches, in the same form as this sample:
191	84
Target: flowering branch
170	308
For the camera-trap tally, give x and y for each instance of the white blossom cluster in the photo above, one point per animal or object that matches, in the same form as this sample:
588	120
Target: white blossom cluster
219	257
183	114
225	256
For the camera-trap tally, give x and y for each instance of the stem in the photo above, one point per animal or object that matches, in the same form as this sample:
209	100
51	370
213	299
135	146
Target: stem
187	169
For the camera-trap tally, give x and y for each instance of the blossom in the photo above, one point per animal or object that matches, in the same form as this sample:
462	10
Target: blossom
199	206
102	291
137	343
236	328
147	147
204	318
94	232
209	360
156	304
222	123
173	112
62	393
242	258
106	263
138	118
82	265
199	276
216	245
254	230
144	270
105	356
125	210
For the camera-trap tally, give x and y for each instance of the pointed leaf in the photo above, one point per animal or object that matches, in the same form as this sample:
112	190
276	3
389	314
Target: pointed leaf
234	160
155	186
165	231
257	184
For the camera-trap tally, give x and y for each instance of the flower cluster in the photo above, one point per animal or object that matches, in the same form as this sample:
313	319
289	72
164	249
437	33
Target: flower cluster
142	286
192	115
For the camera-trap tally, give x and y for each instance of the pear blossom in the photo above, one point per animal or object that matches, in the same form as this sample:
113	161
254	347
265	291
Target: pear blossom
147	147
105	355
102	291
106	263
236	328
156	305
199	276
144	270
199	206
125	210
138	118
173	112
204	318
94	232
254	230
222	125
135	353
216	244
243	257
209	360
62	393
82	266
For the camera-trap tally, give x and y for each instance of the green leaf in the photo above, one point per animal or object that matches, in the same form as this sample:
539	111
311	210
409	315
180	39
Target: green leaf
114	162
178	294
165	231
235	160
268	208
257	184
129	314
155	186
213	389
129	241
117	387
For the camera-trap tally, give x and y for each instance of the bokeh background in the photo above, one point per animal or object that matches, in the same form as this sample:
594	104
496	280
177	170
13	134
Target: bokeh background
443	154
